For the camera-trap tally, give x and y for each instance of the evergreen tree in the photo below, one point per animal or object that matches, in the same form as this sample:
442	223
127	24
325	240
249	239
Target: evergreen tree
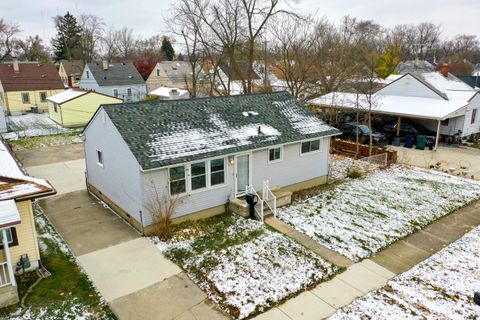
67	43
167	49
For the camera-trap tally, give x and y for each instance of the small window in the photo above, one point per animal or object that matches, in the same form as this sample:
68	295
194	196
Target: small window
115	93
55	107
100	158
88	75
310	146
43	96
474	116
177	180
217	172
158	72
25	97
444	122
199	175
275	154
12	239
129	92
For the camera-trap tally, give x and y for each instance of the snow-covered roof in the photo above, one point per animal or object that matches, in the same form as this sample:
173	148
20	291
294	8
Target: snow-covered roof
66	95
9	215
13	182
163	133
393	77
416	107
167	92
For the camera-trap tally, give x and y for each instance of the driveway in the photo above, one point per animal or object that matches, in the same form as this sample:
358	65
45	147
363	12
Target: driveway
136	280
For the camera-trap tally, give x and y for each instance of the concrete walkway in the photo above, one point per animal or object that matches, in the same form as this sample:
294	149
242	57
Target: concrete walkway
308	242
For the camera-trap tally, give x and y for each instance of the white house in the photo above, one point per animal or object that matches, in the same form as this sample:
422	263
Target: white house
3	121
438	100
204	151
120	80
165	93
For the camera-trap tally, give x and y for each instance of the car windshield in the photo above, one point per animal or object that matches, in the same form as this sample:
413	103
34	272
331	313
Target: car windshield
364	129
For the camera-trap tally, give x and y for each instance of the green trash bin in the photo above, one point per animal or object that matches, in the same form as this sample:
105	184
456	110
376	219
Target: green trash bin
421	142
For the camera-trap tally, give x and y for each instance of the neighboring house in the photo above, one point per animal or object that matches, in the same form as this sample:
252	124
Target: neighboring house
269	77
204	151
26	85
165	93
75	108
173	74
18	246
437	100
472	81
237	77
120	80
3	121
70	72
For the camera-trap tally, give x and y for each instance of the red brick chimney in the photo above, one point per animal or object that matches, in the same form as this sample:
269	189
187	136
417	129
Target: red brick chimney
444	69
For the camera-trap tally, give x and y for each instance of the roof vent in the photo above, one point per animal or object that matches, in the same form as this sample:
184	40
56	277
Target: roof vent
130	77
44	75
105	78
250	113
123	63
259	130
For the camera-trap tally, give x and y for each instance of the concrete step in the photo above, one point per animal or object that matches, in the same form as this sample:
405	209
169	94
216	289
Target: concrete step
240	207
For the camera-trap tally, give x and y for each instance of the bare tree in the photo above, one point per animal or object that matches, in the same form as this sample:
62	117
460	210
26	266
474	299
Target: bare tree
91	34
31	49
109	48
7	34
124	42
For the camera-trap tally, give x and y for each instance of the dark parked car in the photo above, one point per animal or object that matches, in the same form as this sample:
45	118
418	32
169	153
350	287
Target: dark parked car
410	129
349	131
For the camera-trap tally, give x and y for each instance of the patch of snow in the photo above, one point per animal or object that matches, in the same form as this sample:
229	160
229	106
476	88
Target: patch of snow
339	166
361	216
305	124
254	275
32	125
441	287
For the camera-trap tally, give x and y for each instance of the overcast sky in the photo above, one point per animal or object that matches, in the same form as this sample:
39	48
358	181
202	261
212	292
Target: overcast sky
146	16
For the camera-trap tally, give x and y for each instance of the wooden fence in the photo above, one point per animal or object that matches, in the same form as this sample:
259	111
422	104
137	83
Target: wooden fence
351	147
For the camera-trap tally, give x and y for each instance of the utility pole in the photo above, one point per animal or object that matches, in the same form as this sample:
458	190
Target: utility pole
265	82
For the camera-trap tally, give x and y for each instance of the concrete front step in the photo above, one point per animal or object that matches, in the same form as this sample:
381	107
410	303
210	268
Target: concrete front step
240	206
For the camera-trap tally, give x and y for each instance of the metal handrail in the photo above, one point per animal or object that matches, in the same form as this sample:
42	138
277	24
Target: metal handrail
267	195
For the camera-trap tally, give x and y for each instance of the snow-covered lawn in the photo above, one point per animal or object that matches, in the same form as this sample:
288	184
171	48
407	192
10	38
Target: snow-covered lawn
31	125
339	166
360	216
441	287
242	265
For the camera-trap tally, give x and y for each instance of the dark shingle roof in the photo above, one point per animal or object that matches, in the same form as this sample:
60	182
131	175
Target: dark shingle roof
31	76
117	74
241	74
162	133
72	66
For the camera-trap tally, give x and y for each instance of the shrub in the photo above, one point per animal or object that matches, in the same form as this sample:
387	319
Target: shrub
354	173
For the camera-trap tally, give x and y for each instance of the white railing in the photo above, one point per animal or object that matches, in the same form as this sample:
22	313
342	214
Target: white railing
259	205
269	198
4	275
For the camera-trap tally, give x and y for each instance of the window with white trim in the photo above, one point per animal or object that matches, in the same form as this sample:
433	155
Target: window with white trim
99	158
177	180
275	154
474	116
115	93
12	238
88	75
217	171
129	92
198	175
310	146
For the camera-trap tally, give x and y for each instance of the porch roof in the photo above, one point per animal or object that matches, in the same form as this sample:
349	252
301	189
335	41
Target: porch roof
9	214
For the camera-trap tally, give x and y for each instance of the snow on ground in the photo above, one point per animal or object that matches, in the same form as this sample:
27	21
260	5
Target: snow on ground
361	216
339	166
31	125
441	287
244	267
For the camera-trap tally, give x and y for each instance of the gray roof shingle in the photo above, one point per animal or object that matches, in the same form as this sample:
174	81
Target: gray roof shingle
117	74
162	133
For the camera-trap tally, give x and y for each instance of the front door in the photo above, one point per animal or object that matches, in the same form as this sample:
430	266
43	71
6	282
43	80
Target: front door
242	173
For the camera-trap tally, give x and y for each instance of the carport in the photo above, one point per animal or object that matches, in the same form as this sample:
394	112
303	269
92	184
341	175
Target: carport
400	107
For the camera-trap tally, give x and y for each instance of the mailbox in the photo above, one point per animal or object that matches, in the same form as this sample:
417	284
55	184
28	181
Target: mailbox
252	200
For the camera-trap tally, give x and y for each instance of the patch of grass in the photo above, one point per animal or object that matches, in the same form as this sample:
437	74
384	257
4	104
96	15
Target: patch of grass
41	141
354	173
66	294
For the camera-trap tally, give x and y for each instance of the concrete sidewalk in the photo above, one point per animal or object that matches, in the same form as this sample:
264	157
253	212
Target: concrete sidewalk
374	273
